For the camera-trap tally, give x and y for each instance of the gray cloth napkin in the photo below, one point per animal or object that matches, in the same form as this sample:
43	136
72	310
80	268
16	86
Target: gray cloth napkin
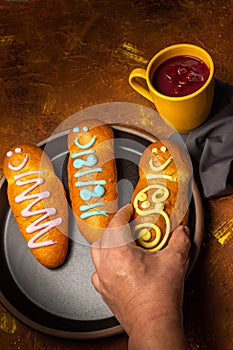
211	146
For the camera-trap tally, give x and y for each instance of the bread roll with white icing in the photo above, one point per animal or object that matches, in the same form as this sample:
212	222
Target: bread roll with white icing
38	202
92	177
161	197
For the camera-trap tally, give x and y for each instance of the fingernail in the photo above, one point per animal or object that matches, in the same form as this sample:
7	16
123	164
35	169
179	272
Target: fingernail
186	230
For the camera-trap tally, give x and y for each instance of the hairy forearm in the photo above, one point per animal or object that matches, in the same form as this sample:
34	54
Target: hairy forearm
164	333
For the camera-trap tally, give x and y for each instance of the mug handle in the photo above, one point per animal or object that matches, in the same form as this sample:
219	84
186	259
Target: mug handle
139	73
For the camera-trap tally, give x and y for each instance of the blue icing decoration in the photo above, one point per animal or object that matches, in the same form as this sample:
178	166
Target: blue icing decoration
93	213
88	145
90	206
90	161
83	153
76	129
87	194
87	172
90	183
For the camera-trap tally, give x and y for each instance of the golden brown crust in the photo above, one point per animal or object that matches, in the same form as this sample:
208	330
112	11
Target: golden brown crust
161	195
16	164
100	140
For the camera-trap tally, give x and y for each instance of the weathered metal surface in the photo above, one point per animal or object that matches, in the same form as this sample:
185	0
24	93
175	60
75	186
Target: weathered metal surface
58	57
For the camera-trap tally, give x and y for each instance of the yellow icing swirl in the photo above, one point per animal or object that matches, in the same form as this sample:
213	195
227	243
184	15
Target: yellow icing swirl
159	196
145	234
149	234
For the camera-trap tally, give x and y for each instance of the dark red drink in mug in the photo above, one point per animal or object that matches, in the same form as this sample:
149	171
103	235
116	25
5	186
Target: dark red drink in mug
180	76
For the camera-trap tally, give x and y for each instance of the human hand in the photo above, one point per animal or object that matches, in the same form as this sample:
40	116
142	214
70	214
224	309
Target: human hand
140	286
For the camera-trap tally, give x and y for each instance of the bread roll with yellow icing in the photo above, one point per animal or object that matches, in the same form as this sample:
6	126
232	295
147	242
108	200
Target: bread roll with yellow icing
161	197
38	202
92	177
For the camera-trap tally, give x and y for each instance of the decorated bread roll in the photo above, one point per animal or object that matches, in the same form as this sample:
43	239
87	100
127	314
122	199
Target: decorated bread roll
92	177
161	197
37	199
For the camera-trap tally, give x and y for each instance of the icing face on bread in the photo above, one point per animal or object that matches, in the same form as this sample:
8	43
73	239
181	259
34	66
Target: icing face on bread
92	177
151	201
88	189
38	202
161	197
31	180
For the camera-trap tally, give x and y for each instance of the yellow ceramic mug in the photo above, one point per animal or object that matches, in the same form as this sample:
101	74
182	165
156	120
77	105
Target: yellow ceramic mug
184	113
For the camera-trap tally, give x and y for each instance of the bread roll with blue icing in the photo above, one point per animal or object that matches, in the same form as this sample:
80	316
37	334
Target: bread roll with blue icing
92	177
38	201
161	196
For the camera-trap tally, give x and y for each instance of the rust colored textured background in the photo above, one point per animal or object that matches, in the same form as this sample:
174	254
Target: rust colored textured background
58	57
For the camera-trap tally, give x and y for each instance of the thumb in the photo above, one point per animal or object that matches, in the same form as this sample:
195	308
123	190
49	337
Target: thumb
118	232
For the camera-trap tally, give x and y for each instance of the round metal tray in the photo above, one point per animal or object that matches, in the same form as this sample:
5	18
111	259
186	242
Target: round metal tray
62	302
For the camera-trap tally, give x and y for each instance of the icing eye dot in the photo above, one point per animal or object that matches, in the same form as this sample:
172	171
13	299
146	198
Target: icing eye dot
155	150
163	149
76	130
9	154
18	150
85	128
